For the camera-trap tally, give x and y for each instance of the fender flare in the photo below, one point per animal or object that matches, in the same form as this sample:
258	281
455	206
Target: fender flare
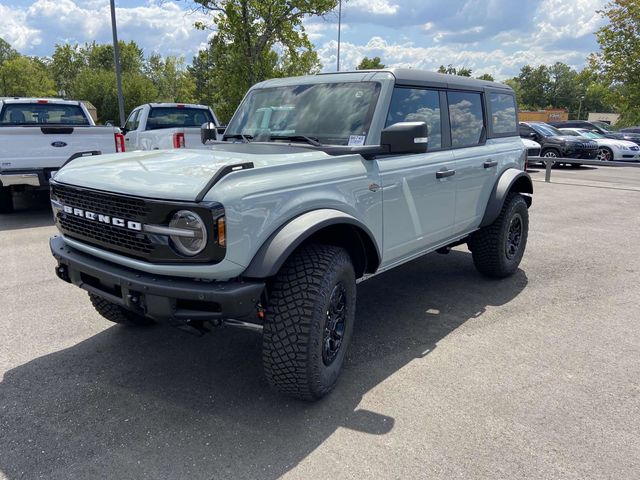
281	244
511	179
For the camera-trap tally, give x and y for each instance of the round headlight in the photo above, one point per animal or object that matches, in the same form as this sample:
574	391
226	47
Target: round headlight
190	237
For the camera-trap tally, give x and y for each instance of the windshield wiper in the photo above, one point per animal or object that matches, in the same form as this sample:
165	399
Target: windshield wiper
246	138
310	140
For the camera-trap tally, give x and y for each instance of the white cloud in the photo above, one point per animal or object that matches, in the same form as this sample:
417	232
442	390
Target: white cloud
156	26
14	28
376	7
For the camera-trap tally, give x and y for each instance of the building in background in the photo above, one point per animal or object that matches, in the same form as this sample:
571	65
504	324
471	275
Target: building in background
610	118
549	115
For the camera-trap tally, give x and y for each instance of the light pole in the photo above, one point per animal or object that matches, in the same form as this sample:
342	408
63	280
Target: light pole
580	106
116	58
339	26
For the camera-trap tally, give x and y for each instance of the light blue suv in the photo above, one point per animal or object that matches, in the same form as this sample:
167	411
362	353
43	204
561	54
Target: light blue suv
320	182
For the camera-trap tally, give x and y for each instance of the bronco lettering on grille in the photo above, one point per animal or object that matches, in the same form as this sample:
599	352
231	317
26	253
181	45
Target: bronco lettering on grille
100	218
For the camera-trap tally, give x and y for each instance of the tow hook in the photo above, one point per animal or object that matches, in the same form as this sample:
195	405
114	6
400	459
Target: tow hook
63	273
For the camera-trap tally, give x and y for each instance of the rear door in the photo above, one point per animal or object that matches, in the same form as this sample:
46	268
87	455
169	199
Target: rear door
418	190
475	160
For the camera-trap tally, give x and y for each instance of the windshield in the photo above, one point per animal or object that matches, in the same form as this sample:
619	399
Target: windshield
571	133
332	113
604	126
590	134
545	130
177	117
42	114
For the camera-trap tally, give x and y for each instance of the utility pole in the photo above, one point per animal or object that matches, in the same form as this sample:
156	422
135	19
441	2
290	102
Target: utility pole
580	106
339	26
116	58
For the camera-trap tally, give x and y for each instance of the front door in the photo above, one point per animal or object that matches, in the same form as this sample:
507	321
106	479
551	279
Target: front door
418	190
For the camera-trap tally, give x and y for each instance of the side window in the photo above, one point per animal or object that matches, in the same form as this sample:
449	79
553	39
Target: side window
465	115
503	113
132	122
417	105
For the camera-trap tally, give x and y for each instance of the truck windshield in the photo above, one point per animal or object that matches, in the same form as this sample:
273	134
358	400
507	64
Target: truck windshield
177	117
42	114
331	113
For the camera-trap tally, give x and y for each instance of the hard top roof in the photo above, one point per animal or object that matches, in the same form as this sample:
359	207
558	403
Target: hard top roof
402	76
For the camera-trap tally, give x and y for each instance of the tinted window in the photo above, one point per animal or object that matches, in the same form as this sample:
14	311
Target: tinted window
503	113
417	105
334	113
133	121
176	117
42	114
465	115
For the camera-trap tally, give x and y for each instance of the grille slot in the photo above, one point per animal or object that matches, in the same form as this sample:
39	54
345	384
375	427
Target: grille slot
123	207
136	243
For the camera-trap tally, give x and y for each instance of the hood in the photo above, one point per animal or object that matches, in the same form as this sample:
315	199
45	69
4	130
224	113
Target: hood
176	174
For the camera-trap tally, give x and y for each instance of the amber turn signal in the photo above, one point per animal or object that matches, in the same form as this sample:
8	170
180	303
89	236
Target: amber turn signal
222	232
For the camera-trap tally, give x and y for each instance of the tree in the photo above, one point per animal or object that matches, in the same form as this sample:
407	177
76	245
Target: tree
486	76
7	52
619	56
25	77
370	64
451	70
66	64
171	78
256	40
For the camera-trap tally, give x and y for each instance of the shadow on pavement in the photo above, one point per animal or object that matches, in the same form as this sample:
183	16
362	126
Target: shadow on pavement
159	403
32	209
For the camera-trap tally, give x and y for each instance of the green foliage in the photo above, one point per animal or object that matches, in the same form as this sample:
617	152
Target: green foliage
451	70
619	57
171	78
486	76
255	40
25	76
7	52
370	64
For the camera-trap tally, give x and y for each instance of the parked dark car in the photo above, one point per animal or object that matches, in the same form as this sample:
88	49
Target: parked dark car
635	129
555	144
600	127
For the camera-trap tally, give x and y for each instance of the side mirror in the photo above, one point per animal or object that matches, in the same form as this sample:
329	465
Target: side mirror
221	129
208	131
405	137
532	135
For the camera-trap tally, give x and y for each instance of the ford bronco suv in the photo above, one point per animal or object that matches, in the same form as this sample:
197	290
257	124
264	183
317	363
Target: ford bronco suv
320	182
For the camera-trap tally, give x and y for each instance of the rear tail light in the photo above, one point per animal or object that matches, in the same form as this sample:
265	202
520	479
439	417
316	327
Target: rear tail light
178	140
119	142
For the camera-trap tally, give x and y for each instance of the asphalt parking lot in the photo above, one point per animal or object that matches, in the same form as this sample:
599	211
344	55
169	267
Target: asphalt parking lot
450	375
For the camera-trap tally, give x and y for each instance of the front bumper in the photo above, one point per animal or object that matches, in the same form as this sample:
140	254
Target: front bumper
156	296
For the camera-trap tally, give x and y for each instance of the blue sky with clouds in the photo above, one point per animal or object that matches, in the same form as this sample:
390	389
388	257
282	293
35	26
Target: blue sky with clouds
489	36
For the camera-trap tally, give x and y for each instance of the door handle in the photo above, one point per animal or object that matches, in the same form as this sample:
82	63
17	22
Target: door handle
445	173
490	163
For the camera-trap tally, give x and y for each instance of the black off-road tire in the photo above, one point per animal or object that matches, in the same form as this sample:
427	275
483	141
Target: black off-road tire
6	200
294	345
490	245
117	314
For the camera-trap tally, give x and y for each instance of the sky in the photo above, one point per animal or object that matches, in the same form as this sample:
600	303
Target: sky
489	36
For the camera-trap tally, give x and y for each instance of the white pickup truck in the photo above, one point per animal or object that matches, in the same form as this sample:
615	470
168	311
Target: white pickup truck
160	126
38	136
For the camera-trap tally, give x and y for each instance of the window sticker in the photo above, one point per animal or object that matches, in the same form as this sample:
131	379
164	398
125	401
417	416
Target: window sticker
356	140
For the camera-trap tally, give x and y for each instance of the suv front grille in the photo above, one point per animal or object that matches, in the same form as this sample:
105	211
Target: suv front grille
589	145
102	232
117	206
128	241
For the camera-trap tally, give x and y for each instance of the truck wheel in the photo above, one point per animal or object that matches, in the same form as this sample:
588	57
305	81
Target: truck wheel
6	200
117	314
497	249
309	321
